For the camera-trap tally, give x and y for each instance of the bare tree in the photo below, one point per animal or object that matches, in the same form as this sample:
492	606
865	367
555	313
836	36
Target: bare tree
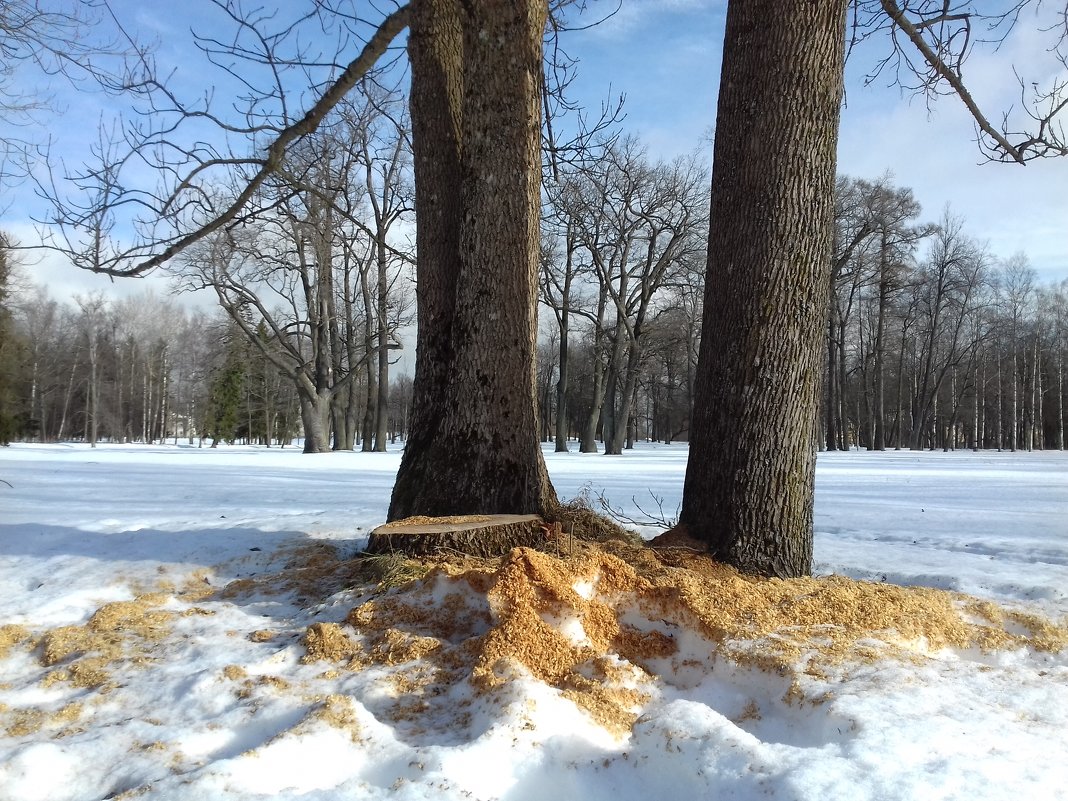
39	319
270	64
631	228
952	278
561	271
382	150
853	229
1017	295
11	346
93	311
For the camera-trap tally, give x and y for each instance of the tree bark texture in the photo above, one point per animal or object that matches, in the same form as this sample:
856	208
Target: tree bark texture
750	477
475	101
315	415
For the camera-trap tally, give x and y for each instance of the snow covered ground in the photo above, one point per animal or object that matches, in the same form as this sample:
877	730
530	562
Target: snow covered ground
154	604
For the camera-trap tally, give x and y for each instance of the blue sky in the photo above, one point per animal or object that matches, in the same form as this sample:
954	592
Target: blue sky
664	55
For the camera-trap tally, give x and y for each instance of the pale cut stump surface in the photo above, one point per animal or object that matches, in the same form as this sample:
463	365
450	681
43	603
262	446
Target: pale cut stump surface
475	535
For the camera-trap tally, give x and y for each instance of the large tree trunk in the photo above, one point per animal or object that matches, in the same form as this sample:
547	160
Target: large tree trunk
830	415
315	415
1060	400
879	400
382	400
626	406
435	51
474	447
750	477
593	419
1014	415
561	387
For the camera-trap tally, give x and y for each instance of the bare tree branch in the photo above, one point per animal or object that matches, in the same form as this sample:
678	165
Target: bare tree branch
132	262
951	76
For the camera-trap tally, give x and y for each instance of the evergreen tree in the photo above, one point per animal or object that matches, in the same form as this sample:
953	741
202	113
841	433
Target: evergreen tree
223	415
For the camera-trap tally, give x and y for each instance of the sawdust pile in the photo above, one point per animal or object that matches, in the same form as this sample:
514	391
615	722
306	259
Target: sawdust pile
313	570
116	634
11	636
24	722
603	623
122	630
327	641
317	570
338	711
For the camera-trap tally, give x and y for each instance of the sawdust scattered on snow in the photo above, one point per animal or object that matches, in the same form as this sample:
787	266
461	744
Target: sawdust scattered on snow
603	623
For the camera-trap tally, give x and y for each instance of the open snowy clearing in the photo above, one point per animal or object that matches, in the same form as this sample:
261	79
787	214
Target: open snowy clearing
155	605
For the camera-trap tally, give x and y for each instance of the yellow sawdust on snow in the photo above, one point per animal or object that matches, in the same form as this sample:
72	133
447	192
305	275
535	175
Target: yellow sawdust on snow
312	570
12	635
118	631
30	720
506	613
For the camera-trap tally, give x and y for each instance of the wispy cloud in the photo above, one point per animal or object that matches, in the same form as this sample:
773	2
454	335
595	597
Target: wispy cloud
637	16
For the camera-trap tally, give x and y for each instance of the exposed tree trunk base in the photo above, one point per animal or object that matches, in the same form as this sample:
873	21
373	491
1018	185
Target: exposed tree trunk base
474	535
678	537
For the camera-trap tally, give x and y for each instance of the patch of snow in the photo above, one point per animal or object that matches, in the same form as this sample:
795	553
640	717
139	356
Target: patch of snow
223	708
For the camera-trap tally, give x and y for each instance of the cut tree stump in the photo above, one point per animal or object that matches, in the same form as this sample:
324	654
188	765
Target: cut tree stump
475	535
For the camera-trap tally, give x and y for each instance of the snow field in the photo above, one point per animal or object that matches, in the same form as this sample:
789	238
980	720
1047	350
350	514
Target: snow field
208	696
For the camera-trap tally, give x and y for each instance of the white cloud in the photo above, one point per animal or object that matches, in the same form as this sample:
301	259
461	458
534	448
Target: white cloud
934	152
65	282
642	17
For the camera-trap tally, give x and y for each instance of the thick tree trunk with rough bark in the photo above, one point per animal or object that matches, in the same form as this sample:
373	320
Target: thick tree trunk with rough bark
750	478
435	51
474	447
315	415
